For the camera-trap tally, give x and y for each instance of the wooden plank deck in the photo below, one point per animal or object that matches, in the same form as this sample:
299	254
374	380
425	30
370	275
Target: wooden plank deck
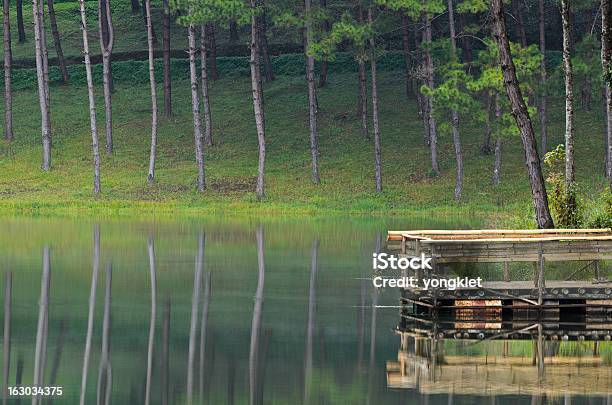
460	246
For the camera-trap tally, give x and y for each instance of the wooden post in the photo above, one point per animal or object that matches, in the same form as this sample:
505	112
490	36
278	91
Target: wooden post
506	271
541	281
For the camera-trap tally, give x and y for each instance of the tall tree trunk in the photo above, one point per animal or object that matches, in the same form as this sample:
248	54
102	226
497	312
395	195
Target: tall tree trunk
485	149
193	328
150	42
429	72
8	75
212	48
92	305
454	113
135	6
258	108
205	96
362	102
195	110
166	57
45	53
263	44
375	118
569	96
42	86
324	64
92	102
107	35
145	17
543	100
20	26
61	61
233	31
421	99
606	60
518	23
521	115
312	96
406	48
498	143
153	317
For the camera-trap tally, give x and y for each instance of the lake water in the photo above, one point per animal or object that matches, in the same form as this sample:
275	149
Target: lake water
284	314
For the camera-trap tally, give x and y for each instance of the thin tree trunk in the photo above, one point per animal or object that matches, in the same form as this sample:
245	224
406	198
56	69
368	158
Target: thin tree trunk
205	96
166	56
263	44
375	118
518	23
42	329
406	48
8	75
42	87
429	72
498	143
486	144
45	53
92	102
193	330
569	96
92	305
521	115
152	320
107	35
256	322
454	113
150	42
421	99
257	102
312	96
543	100
104	372
362	102
144	19
212	50
61	61
20	26
6	342
606	60
195	110
324	65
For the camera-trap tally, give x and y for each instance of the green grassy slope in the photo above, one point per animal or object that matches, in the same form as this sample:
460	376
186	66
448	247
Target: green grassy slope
346	158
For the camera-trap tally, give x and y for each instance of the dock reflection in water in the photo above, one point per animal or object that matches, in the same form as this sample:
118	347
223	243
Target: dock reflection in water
546	335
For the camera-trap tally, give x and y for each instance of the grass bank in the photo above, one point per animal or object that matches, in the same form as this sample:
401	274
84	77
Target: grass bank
346	158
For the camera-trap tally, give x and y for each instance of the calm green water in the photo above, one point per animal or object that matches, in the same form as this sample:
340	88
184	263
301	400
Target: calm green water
289	322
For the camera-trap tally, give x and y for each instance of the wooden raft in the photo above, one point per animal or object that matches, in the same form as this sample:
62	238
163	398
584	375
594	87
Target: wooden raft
502	245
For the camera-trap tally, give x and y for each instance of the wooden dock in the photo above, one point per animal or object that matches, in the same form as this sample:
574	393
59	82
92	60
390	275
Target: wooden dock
506	246
498	245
